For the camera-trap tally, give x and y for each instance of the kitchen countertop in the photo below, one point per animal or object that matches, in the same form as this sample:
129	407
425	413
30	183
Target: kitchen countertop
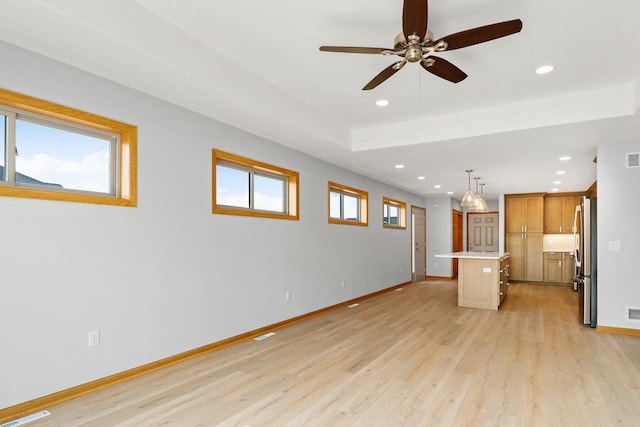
474	255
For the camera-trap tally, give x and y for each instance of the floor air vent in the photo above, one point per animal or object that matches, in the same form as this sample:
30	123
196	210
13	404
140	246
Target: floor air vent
633	313
26	419
260	338
632	160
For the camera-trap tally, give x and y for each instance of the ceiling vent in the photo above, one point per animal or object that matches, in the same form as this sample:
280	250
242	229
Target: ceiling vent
632	160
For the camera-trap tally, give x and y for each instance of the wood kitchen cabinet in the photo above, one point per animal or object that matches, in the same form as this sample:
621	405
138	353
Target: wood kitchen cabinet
524	220
558	267
559	211
525	256
524	213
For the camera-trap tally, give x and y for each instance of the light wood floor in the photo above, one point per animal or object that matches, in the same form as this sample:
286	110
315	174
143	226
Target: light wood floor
404	358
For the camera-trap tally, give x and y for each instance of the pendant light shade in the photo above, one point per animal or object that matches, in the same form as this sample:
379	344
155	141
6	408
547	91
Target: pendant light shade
469	197
483	205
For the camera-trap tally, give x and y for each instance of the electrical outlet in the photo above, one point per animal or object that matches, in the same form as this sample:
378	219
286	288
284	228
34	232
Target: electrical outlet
343	283
94	338
287	295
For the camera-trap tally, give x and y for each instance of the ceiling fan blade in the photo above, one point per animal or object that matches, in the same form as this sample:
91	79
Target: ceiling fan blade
443	68
348	49
414	18
481	34
384	75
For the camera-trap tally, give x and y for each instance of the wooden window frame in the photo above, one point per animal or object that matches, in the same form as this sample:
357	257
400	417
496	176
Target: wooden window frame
126	151
363	202
292	192
402	213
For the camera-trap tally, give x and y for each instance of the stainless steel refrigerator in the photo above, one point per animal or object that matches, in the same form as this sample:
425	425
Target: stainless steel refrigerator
585	281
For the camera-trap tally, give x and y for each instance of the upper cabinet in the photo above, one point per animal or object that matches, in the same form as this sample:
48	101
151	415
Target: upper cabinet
559	211
524	213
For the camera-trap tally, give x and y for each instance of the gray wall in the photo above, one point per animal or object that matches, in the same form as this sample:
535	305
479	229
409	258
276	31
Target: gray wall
167	276
618	208
439	236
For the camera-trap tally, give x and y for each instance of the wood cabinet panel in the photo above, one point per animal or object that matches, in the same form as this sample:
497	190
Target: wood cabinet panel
558	267
569	204
553	270
533	267
553	214
514	214
559	212
524	225
534	215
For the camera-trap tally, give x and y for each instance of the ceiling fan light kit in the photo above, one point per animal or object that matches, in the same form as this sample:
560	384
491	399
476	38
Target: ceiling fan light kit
416	44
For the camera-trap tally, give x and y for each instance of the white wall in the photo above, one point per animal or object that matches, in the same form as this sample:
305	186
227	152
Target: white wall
439	235
618	208
167	276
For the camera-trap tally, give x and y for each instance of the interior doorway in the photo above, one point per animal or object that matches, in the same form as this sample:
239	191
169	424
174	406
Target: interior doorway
456	240
418	243
482	231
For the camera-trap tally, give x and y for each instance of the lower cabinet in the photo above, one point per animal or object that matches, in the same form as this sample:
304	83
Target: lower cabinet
558	267
525	256
482	283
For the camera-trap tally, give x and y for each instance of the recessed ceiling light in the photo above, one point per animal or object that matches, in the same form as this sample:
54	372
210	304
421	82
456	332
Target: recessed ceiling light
565	158
382	102
557	182
399	166
449	192
437	186
561	172
544	69
421	178
554	189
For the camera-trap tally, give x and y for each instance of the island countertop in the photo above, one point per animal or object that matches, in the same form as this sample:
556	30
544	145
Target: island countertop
474	255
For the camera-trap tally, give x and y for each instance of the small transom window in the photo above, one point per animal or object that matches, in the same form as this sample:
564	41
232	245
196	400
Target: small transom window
247	187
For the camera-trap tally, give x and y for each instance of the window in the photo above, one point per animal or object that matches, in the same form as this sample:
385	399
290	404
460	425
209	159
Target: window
347	205
57	153
394	213
242	186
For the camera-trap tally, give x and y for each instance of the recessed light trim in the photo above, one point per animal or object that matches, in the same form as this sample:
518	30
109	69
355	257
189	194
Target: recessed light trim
449	192
554	190
557	182
437	186
565	158
545	69
399	166
382	102
421	178
560	172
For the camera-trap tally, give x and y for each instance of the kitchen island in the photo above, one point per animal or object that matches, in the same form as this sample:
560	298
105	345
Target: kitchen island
483	278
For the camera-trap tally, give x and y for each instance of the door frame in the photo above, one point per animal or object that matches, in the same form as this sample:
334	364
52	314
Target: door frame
459	231
413	243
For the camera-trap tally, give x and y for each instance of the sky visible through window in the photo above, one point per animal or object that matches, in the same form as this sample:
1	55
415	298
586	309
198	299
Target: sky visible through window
232	189
350	206
56	156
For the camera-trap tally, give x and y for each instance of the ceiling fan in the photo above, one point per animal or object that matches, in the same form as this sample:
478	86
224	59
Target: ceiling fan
415	43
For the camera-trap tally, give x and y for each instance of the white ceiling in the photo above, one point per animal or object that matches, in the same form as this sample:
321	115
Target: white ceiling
255	64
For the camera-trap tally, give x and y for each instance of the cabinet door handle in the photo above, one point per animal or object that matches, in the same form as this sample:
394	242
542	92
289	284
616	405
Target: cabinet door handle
561	229
559	263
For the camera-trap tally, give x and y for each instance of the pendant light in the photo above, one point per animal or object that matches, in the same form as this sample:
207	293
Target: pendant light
476	197
468	199
482	204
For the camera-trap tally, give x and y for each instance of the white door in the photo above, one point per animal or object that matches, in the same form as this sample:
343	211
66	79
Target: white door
419	240
482	232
